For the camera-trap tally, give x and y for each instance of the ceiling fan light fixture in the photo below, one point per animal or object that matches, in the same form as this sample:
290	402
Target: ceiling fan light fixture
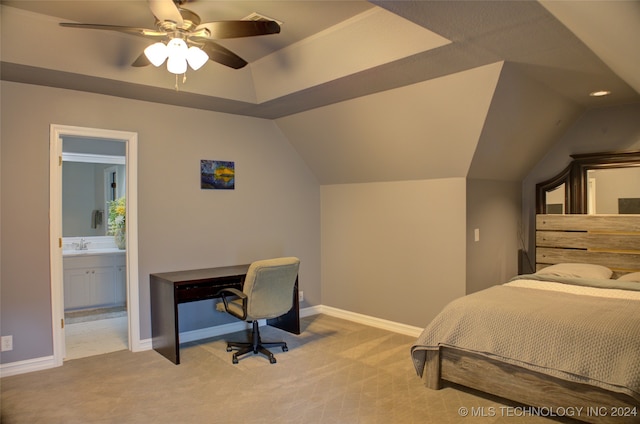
156	53
176	47
177	65
177	53
196	57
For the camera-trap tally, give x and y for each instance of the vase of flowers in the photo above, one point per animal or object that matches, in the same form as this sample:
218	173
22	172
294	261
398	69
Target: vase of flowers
117	221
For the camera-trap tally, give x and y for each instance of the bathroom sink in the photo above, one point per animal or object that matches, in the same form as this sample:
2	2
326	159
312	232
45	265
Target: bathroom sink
104	251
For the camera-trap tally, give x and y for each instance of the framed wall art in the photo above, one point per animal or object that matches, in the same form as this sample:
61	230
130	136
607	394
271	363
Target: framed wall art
217	175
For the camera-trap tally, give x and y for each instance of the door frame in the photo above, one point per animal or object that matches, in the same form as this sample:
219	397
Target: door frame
55	234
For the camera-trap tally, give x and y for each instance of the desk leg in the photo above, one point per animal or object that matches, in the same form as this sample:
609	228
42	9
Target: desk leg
291	320
164	319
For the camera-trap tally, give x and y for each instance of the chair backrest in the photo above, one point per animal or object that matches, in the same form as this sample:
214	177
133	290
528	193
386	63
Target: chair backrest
269	287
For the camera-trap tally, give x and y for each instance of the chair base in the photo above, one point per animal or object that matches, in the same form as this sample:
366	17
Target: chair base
256	345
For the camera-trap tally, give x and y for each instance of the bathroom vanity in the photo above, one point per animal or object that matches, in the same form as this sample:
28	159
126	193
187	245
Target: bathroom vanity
94	278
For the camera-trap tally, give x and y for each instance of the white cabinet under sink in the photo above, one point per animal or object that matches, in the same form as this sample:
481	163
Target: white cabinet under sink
93	281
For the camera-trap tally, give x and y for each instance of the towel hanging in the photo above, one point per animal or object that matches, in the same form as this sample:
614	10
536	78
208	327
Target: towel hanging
96	218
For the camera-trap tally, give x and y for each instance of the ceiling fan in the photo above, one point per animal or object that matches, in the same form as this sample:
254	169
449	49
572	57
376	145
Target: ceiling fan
182	38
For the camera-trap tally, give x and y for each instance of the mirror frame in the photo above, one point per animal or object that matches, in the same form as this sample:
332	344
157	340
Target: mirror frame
574	177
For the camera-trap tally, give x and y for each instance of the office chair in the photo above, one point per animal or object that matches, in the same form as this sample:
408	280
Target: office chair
267	293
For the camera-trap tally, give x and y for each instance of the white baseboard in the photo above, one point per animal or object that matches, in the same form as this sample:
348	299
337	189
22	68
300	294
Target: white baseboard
142	345
383	324
218	330
311	310
37	364
29	365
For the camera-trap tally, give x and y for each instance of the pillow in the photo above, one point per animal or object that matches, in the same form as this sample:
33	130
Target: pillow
572	270
632	276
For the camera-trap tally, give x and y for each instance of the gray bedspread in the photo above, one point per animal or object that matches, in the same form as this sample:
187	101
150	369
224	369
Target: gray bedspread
587	339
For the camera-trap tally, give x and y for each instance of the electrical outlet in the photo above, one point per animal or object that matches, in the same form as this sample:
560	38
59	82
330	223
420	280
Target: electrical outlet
6	343
301	296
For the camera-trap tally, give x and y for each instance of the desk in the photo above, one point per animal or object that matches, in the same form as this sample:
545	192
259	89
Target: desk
169	289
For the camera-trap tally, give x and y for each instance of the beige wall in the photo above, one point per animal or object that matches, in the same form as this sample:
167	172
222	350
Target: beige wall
274	210
394	250
493	208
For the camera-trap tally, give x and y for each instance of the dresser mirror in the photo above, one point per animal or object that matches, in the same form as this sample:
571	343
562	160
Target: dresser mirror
593	183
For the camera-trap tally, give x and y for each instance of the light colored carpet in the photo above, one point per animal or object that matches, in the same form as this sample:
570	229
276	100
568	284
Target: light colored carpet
336	371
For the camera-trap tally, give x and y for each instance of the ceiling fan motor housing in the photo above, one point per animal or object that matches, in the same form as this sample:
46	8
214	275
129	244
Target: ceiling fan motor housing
190	21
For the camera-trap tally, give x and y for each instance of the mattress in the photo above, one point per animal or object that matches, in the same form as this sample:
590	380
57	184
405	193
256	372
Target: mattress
578	330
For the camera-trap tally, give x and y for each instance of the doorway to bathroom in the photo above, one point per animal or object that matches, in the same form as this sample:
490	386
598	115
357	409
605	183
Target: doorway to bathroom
94	266
94	278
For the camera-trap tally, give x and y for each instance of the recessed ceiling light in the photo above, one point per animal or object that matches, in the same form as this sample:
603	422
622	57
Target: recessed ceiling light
600	93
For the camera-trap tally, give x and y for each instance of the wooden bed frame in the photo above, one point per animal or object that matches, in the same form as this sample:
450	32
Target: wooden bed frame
609	240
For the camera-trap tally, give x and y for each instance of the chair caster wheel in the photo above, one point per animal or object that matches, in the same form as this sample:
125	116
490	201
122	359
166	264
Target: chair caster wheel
285	349
229	349
272	360
234	360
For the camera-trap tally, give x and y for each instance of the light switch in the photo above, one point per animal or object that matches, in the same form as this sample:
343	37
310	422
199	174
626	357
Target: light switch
476	234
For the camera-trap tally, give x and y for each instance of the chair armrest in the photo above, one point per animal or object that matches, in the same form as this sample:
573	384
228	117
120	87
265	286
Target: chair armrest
230	291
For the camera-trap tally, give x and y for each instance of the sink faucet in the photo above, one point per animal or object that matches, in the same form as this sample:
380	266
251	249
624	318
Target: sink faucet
82	245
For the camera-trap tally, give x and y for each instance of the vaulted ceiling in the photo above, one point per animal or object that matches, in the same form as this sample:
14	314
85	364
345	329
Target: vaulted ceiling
365	91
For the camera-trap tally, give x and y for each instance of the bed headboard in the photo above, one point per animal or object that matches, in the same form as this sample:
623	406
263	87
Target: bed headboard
609	240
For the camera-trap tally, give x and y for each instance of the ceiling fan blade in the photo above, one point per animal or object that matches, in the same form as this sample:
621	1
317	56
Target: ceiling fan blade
143	32
235	29
224	56
141	61
165	10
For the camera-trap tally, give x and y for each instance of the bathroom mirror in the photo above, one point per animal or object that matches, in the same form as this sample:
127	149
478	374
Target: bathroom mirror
595	183
89	182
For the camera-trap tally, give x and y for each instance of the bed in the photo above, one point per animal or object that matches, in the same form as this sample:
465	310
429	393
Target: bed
567	336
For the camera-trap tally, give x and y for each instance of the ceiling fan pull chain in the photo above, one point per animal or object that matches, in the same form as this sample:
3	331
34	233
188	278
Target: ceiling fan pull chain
184	79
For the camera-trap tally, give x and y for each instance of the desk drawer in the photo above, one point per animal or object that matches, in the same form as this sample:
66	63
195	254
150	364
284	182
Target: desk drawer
202	291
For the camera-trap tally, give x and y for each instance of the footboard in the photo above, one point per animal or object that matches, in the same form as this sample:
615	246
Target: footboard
525	386
431	373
